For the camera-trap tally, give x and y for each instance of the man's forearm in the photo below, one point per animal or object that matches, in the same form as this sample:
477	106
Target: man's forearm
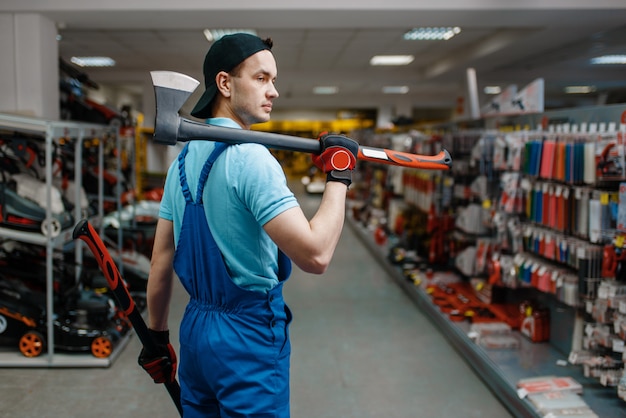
159	295
330	215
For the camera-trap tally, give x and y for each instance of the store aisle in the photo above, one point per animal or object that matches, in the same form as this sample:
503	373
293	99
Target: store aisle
361	348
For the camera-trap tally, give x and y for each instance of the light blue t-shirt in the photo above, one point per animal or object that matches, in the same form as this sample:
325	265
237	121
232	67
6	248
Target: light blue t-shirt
246	189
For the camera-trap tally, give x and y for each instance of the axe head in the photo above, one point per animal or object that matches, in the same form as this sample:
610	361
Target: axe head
171	91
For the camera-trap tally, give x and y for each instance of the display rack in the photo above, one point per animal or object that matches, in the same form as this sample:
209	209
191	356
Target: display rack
50	131
499	369
534	355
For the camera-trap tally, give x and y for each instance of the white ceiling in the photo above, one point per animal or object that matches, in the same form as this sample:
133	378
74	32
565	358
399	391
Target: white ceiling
330	43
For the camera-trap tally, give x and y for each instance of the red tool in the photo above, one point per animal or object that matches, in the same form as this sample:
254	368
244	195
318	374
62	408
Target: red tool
84	231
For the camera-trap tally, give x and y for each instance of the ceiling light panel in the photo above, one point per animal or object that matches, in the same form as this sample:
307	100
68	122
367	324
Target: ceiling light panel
213	35
580	89
609	59
93	61
391	59
325	90
396	89
432	34
492	90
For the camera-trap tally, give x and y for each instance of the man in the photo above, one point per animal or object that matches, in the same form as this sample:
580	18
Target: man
228	227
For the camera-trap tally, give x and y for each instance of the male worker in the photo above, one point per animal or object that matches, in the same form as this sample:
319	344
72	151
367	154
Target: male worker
229	226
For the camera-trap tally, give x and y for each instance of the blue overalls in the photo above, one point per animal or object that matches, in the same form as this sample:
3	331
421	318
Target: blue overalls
234	343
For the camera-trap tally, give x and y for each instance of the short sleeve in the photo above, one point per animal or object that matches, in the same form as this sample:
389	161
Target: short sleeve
265	193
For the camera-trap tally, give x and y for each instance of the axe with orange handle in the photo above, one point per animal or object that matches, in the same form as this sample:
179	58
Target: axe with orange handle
173	89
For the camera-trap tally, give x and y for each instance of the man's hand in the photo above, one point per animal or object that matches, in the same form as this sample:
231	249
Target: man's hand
337	157
161	366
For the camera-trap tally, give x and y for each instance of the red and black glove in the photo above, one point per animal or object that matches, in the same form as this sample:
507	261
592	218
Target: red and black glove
161	366
337	157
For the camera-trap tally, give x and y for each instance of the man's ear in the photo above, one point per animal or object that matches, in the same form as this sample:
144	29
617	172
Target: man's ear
222	81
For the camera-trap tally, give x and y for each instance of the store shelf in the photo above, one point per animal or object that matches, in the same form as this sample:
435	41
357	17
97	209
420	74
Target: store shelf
13	358
500	369
49	133
48	127
39	239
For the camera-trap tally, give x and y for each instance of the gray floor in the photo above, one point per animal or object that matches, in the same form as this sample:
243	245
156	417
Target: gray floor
360	348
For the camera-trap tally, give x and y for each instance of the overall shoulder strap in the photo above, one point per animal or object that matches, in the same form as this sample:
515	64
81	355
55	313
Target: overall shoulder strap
182	174
206	169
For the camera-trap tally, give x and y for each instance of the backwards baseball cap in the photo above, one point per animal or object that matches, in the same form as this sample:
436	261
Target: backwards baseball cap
224	55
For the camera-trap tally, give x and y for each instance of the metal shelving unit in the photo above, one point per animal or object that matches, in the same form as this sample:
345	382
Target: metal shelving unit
50	131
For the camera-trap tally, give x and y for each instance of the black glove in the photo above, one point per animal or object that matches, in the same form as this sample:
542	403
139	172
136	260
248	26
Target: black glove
161	366
337	157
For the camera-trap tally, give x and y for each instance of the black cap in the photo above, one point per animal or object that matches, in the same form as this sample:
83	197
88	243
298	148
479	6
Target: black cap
224	55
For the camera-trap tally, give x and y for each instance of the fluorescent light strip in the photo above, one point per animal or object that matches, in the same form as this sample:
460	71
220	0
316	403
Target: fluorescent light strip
391	59
396	89
93	61
325	90
213	35
580	89
431	34
609	59
492	90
